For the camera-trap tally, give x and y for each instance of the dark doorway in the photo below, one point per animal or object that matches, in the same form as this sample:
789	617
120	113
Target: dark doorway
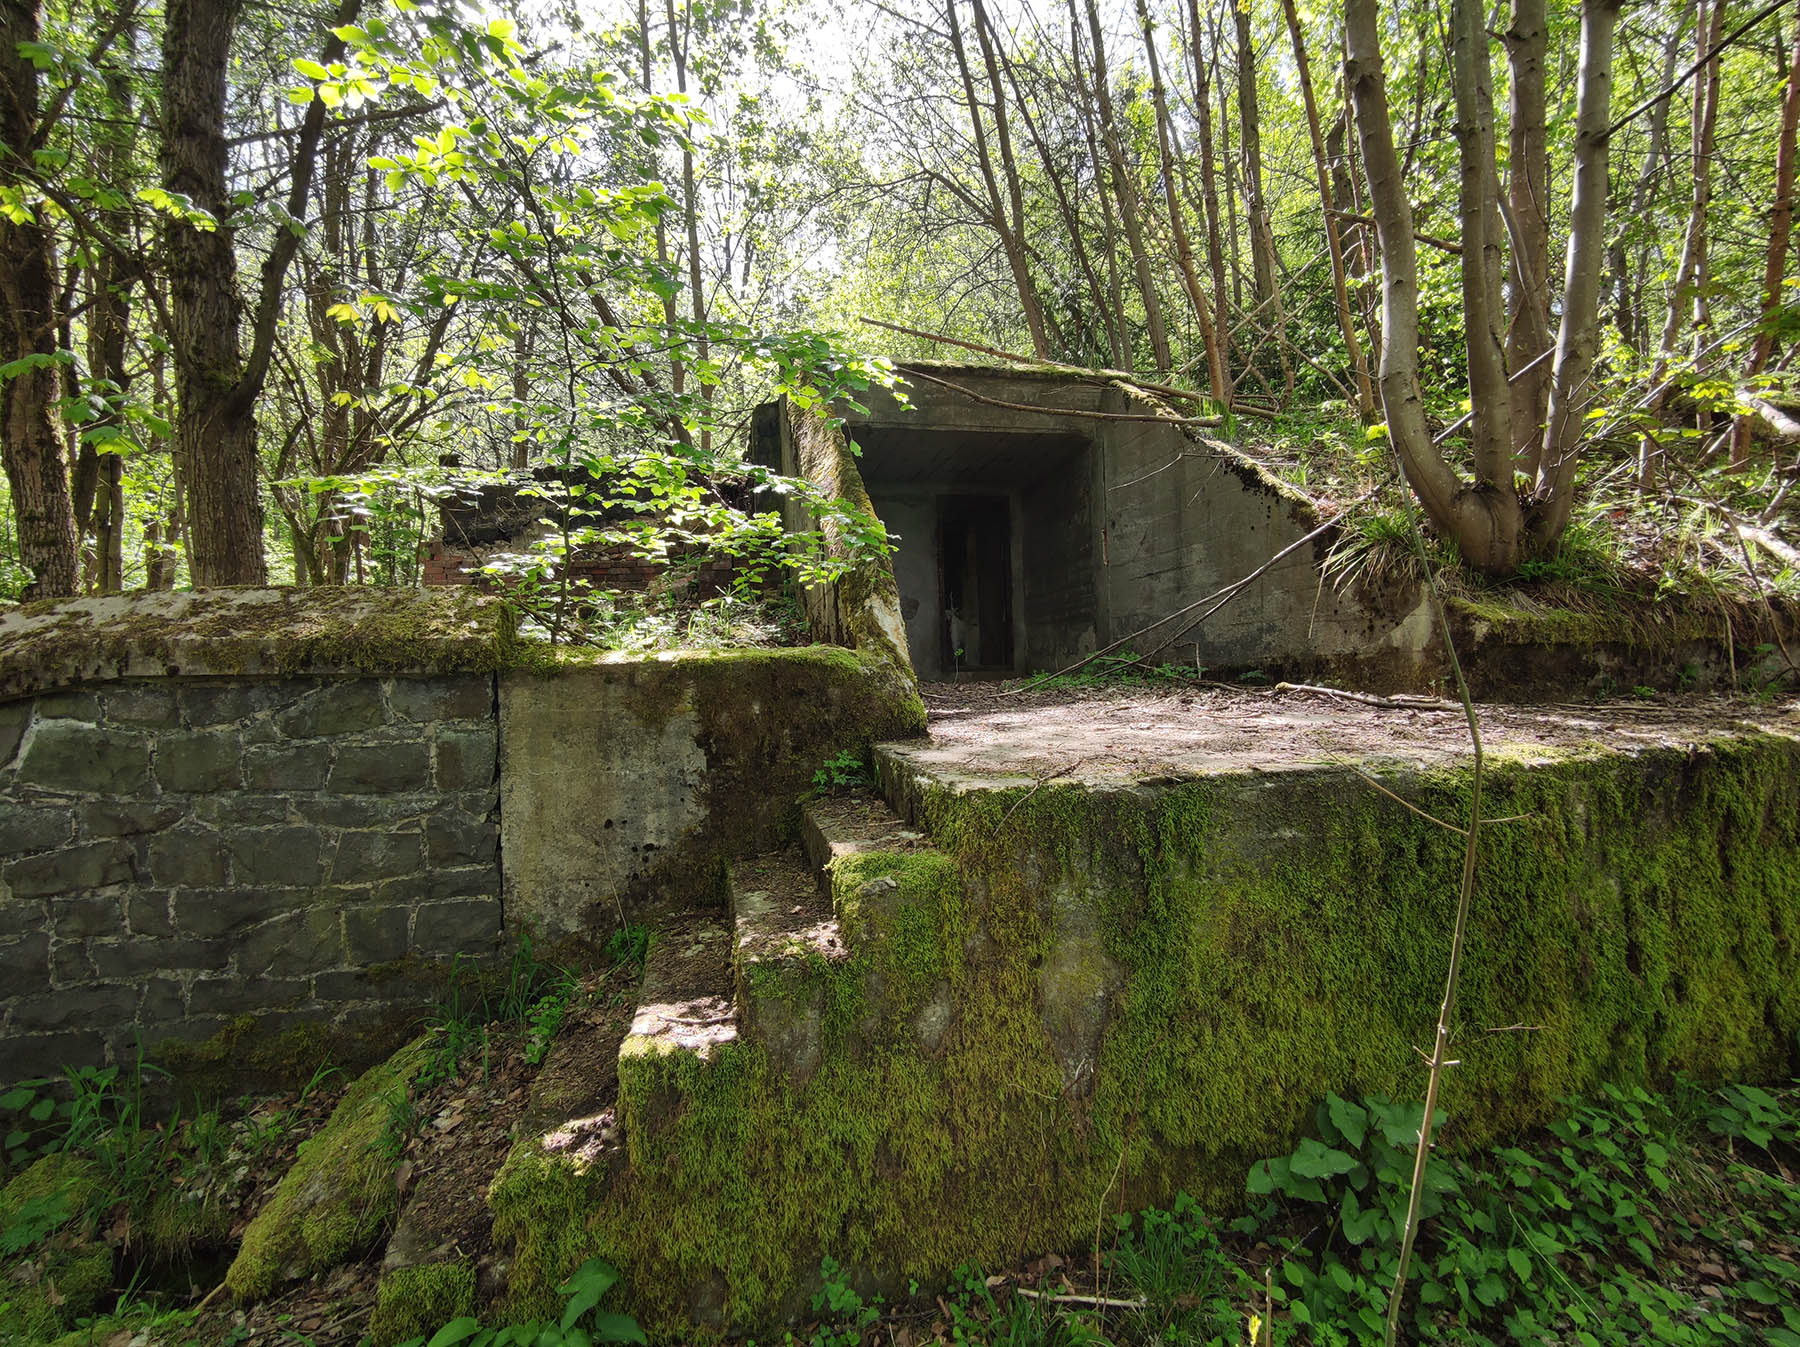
975	583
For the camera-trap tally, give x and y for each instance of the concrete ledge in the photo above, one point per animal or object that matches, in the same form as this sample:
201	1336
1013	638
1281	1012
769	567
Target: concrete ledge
267	632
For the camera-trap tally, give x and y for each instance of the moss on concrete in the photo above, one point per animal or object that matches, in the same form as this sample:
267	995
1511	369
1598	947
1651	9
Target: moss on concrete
340	1194
415	1302
1149	988
258	632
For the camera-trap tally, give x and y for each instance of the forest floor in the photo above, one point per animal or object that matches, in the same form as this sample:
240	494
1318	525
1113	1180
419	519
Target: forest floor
1017	729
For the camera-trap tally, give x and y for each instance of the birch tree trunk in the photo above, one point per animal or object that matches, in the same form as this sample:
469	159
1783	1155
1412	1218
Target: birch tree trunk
1262	236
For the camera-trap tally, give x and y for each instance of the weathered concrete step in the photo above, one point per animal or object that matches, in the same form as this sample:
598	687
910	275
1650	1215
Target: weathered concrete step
849	825
786	946
686	1005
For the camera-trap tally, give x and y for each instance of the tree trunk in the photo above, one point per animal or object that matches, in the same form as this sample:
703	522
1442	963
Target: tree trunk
1627	289
1209	191
1125	188
1690	274
1123	355
1478	519
1184	248
217	384
690	210
215	431
1528	177
1006	222
1359	368
1072	223
31	429
1490	401
677	370
1781	223
1262	235
1578	336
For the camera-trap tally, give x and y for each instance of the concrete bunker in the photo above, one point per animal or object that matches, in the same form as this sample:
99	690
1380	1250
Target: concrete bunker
1040	515
993	535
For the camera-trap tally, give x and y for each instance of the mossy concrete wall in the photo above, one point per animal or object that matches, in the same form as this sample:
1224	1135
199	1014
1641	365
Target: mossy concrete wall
231	816
627	781
1145	989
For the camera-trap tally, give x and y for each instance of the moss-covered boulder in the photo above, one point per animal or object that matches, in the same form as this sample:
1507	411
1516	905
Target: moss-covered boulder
417	1301
61	1274
340	1194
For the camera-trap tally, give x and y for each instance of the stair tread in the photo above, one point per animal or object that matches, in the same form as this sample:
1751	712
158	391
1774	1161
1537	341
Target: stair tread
687	1002
844	825
780	912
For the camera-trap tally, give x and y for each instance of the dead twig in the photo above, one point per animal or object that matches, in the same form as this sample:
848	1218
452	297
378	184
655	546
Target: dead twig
1400	702
1074	1298
1037	786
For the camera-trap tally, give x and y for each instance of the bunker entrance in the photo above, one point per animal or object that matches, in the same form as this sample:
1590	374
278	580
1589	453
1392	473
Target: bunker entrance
995	544
974	552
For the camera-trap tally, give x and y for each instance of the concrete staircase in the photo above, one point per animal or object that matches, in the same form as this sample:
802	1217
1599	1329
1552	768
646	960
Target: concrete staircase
763	969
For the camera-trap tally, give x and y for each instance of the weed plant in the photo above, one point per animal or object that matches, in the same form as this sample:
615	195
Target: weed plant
1635	1219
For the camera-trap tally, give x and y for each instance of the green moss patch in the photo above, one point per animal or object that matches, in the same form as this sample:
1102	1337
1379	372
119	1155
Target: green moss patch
417	1301
340	1194
63	1271
1143	990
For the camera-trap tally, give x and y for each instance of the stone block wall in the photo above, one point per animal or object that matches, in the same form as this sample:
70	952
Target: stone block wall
175	852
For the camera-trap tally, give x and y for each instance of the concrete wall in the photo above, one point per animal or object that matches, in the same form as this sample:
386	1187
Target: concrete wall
1183	517
624	784
177	852
1148	517
295	806
1060	602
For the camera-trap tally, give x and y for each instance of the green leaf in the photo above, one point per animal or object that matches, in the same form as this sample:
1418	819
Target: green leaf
1350	1119
1520	1262
311	69
590	1281
457	1330
17	1099
1313	1159
617	1328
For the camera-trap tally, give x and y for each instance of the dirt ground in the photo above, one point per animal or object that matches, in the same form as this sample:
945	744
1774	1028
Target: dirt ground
999	730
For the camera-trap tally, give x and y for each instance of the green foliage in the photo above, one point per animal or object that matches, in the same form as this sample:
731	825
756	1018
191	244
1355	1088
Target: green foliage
582	1321
1579	1236
1124	668
628	945
841	772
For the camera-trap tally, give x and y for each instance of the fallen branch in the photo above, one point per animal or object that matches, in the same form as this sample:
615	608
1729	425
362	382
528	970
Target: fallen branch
1199	422
1073	1298
1370	699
